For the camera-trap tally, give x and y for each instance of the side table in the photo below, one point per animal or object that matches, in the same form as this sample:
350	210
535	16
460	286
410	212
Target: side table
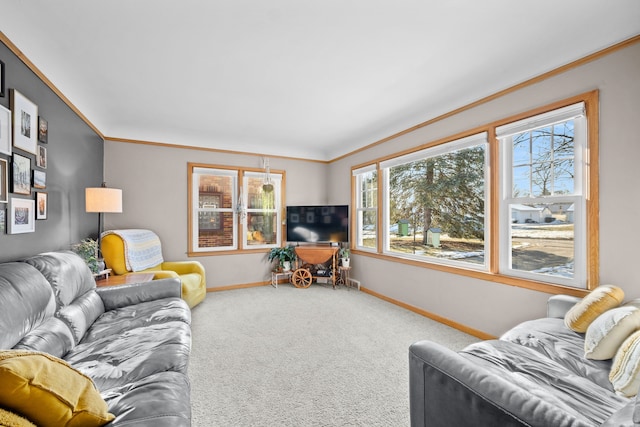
125	279
276	275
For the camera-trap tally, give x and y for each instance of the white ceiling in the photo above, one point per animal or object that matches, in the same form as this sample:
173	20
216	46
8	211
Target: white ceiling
313	79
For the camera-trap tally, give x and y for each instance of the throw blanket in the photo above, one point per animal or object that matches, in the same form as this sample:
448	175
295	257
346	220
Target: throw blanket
142	249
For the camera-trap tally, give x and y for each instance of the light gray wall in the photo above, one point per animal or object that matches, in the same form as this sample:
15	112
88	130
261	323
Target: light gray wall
74	161
493	307
154	183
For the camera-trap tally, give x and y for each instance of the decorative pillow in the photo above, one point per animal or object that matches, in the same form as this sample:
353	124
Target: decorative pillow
609	330
625	370
48	391
598	301
9	419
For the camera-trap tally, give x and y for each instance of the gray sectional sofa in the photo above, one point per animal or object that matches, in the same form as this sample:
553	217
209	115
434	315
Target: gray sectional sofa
133	341
534	375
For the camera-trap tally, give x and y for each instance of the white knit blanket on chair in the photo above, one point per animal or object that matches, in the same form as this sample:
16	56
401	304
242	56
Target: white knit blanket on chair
142	248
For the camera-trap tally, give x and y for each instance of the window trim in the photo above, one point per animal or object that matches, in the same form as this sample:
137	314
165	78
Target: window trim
240	173
591	102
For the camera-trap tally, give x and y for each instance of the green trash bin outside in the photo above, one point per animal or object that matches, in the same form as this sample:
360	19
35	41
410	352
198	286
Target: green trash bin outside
403	227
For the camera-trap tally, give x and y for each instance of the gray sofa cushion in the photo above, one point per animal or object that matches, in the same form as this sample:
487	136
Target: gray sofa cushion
550	380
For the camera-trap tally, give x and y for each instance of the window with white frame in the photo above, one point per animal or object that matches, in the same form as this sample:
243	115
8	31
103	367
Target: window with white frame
435	203
543	197
233	209
366	208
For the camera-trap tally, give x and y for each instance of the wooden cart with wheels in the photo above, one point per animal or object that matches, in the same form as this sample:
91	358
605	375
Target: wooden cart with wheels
310	256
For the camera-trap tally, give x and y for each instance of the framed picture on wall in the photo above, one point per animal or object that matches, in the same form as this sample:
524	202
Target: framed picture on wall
43	130
41	205
21	215
1	79
25	122
39	179
4	180
3	221
21	181
5	130
41	159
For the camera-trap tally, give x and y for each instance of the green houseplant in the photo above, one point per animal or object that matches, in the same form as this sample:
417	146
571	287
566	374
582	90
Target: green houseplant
284	255
88	251
344	256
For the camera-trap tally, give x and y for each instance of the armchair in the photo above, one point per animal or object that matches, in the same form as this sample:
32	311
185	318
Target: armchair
134	251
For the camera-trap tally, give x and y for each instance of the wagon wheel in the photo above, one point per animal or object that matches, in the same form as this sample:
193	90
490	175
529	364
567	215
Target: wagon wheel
301	278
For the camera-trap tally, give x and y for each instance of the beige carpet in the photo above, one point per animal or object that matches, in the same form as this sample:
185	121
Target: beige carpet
305	357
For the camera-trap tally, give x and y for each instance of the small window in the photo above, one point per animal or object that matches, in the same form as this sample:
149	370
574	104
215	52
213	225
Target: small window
366	208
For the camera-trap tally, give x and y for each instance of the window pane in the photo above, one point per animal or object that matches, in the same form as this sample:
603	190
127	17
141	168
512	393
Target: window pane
368	221
258	198
437	205
542	238
543	161
367	212
262	229
215	196
211	237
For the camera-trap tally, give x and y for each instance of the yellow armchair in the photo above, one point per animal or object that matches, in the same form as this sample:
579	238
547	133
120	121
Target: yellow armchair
190	273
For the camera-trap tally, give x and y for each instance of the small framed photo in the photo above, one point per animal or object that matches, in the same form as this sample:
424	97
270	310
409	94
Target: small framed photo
21	174
3	221
1	79
5	130
41	159
41	205
39	179
4	180
21	216
43	130
25	117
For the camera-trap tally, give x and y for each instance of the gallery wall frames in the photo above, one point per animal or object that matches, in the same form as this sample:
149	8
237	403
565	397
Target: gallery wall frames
41	205
25	117
5	130
21	182
39	179
21	215
4	180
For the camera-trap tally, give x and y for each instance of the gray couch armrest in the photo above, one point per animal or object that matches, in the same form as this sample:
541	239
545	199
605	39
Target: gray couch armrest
558	305
120	296
447	390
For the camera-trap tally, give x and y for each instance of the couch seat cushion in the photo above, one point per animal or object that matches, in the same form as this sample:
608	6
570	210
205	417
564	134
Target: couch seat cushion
551	338
159	400
132	354
543	377
48	391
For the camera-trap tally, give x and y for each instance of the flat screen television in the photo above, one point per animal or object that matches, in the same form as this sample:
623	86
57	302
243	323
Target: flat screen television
318	224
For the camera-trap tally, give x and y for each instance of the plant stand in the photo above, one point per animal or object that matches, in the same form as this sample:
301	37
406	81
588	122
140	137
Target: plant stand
276	275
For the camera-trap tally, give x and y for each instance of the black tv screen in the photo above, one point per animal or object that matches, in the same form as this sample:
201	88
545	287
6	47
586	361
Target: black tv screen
316	224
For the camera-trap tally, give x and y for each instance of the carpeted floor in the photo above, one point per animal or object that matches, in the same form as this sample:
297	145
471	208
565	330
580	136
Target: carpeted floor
305	357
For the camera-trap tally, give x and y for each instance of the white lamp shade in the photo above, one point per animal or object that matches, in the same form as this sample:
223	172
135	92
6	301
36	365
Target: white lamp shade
103	199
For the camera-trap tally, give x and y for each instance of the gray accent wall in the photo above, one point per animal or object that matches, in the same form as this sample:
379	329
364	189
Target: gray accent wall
74	161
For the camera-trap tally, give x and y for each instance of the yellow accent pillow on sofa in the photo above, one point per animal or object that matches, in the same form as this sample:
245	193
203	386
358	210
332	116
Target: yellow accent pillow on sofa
48	391
601	299
625	370
9	419
609	330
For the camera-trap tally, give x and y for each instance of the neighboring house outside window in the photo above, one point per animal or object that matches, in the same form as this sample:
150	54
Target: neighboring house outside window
227	216
543	203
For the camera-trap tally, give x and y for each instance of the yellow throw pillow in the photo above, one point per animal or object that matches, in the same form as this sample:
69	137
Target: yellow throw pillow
601	299
605	334
48	391
9	419
625	370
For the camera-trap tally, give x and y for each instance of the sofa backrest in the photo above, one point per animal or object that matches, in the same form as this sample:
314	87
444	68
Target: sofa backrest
74	288
27	308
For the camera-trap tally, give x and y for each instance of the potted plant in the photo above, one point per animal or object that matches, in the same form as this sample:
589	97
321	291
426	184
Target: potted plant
344	256
88	251
285	256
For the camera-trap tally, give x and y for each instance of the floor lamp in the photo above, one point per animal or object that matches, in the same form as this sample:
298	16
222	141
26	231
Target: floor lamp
102	200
